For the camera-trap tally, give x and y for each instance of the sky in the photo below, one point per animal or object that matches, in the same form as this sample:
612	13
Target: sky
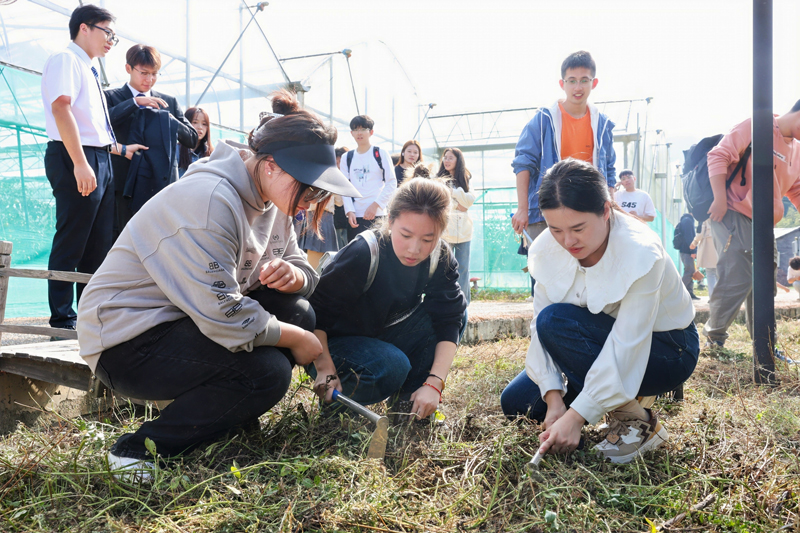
692	57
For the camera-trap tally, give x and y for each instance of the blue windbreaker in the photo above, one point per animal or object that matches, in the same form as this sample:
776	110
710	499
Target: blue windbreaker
539	148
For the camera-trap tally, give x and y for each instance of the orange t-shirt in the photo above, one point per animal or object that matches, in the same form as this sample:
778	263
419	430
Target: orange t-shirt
577	139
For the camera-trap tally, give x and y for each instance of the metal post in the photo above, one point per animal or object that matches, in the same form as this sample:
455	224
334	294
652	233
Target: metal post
393	124
763	237
241	72
188	62
330	63
662	177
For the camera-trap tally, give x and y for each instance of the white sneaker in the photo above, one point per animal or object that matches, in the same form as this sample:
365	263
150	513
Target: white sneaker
629	438
130	469
530	299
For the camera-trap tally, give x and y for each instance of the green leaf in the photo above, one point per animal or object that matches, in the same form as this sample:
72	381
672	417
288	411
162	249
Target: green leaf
150	445
550	517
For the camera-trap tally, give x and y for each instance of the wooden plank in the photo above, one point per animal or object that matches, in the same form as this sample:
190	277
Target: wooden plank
76	277
53	362
5	263
40	330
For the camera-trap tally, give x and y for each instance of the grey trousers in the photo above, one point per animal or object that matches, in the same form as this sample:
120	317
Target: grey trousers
688	271
733	240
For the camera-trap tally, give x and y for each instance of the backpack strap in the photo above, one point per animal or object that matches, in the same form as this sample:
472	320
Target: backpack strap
374	255
349	160
742	165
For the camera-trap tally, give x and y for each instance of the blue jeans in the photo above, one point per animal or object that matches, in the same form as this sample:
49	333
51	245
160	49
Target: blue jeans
574	337
399	360
214	389
461	253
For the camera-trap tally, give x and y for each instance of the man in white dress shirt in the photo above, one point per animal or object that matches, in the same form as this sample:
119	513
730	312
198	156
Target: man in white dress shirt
77	159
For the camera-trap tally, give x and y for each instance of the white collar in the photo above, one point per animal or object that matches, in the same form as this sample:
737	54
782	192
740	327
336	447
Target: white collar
632	250
80	52
135	92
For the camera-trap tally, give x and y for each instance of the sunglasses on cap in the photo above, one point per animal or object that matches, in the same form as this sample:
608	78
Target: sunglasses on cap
314	194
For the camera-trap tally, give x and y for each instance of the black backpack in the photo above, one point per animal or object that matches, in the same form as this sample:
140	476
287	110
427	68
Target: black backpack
677	238
696	185
376	153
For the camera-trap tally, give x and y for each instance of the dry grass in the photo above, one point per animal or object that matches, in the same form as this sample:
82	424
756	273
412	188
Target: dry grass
734	448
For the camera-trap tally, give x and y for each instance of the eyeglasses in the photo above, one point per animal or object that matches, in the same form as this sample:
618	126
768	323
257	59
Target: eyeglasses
584	82
360	130
111	37
146	75
315	195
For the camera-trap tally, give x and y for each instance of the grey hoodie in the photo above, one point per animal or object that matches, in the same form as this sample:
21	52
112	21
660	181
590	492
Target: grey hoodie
195	249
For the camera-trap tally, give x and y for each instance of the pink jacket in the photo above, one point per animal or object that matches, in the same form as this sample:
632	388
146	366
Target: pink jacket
722	159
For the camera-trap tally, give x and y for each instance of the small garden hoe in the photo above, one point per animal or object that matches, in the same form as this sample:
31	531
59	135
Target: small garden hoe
377	446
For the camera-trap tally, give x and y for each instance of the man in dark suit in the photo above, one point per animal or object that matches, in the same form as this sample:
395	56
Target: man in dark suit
157	122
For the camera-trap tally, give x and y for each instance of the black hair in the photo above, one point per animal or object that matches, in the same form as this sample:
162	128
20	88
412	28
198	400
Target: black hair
362	121
460	176
341	151
580	59
794	262
574	184
625	173
795	107
88	14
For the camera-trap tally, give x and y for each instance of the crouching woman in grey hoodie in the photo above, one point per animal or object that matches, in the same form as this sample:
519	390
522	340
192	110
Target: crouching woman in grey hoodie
202	298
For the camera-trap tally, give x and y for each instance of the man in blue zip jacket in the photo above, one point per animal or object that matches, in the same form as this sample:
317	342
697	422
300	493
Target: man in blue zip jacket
570	128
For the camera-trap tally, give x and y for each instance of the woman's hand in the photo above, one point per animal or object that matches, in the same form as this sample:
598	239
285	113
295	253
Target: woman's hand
564	435
281	276
718	209
555	407
326	382
426	400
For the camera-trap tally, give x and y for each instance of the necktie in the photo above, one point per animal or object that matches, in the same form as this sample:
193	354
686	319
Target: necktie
137	96
105	111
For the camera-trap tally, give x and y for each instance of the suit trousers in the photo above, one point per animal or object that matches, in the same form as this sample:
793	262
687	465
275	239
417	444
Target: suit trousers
84	225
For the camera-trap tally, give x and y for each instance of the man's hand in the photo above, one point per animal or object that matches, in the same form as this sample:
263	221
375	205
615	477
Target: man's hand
150	101
351	218
718	209
131	149
85	178
520	220
280	275
369	214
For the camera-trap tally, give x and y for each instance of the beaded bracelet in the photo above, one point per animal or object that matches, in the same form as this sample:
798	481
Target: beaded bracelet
437	377
434	388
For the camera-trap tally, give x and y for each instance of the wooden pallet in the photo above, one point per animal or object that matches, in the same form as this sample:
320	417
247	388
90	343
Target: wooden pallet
53	362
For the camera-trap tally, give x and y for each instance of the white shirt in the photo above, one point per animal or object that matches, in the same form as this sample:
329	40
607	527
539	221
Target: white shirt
638	201
136	93
69	73
366	176
635	282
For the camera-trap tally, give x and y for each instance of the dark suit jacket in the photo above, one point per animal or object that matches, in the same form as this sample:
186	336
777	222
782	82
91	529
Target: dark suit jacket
122	110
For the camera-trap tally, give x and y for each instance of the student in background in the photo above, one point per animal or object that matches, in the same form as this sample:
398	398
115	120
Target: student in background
703	244
632	200
732	211
610	313
77	161
572	127
340	222
200	121
793	274
142	115
369	168
459	226
685	229
410	156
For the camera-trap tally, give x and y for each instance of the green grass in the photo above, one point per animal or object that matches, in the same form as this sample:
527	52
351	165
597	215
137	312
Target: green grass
509	295
731	441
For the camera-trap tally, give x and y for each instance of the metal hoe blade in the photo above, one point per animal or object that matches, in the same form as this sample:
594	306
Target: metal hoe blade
377	446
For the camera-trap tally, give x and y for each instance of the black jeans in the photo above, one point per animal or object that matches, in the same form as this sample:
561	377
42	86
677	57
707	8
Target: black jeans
213	390
363	225
83	225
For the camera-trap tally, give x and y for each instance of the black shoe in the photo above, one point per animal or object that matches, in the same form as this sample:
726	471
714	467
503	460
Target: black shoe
56	339
694	297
